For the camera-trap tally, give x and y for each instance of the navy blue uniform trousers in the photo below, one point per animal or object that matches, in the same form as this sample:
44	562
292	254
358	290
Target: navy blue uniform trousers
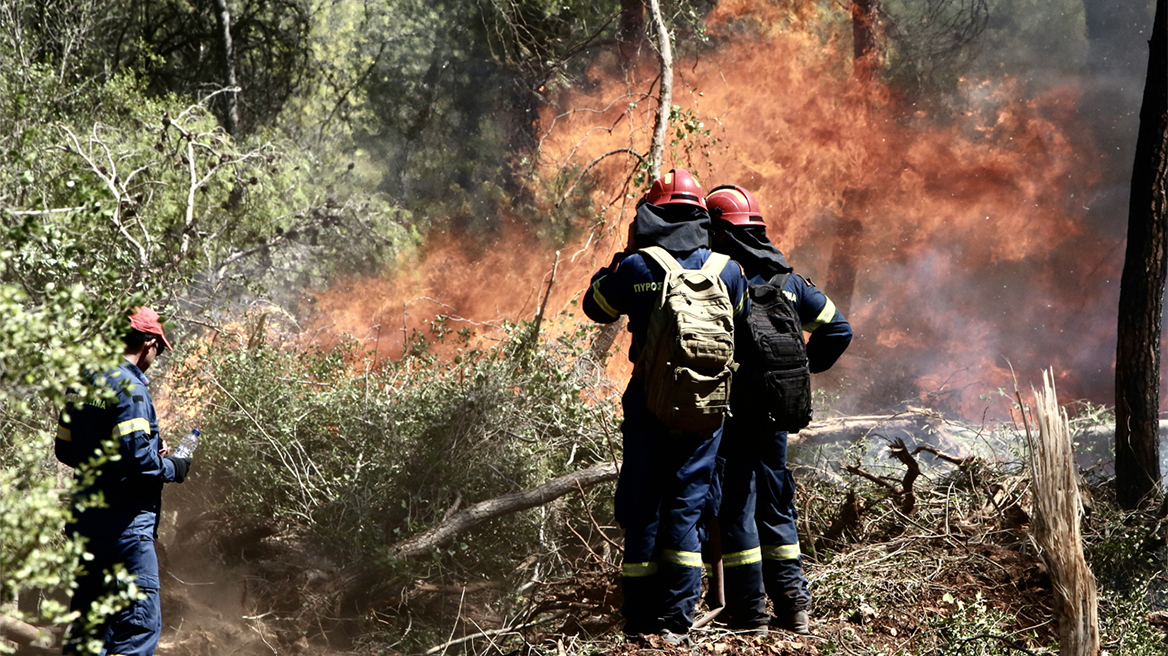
757	521
664	484
133	631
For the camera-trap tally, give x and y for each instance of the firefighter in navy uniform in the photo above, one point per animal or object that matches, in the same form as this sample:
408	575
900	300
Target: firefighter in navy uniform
757	516
666	476
120	528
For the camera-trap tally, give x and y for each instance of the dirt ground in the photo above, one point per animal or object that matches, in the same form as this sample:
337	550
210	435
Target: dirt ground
283	598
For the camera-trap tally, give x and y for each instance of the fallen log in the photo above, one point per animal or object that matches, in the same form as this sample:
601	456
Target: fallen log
32	639
930	428
948	437
923	425
472	516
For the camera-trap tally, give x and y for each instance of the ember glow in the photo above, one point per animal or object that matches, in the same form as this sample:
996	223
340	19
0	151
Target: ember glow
959	245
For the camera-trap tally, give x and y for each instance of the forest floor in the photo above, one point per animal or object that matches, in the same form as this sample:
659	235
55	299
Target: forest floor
955	573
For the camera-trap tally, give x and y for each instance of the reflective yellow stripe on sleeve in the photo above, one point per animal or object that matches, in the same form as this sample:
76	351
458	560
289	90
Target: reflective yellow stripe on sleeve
741	302
64	434
740	558
780	551
601	301
635	570
825	316
127	427
683	558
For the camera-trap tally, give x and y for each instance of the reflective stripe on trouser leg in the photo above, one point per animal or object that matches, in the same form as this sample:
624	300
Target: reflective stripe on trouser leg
783	575
682	504
746	557
777	529
638	570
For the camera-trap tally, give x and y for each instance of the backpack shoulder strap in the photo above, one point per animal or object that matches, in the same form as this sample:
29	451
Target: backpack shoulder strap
662	257
715	263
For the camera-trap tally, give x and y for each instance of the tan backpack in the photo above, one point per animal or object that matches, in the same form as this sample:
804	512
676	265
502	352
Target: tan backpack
688	356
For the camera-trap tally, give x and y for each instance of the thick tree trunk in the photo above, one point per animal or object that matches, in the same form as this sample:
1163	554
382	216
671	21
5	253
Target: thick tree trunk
483	511
665	100
841	278
632	29
1141	294
864	51
223	18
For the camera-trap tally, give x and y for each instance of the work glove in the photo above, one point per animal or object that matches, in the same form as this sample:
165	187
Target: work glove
181	467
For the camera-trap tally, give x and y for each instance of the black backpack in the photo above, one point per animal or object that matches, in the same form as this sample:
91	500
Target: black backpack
776	377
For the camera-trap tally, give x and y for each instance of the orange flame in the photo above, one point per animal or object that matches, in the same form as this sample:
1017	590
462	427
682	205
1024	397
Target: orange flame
972	250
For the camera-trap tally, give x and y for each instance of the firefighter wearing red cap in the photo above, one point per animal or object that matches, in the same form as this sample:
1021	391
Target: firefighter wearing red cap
757	517
122	527
665	477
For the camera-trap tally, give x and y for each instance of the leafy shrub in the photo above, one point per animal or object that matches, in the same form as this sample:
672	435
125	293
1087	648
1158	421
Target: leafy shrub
362	454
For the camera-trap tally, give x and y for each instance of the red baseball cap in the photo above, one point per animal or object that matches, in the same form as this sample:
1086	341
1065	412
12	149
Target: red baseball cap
146	320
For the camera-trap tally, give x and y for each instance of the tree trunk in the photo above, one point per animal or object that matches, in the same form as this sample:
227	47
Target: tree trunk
632	30
1055	517
1141	293
223	18
665	100
864	39
841	278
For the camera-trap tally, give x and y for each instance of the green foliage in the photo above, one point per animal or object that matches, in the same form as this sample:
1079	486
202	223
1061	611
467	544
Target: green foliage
1123	623
112	197
972	628
931	44
363	454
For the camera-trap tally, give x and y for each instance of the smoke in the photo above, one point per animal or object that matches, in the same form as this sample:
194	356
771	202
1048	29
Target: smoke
965	245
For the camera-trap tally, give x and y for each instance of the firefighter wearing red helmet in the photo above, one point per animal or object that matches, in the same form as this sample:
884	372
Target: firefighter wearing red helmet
120	531
677	187
666	474
757	516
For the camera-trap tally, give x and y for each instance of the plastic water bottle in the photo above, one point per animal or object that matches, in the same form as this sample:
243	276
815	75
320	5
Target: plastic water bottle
188	444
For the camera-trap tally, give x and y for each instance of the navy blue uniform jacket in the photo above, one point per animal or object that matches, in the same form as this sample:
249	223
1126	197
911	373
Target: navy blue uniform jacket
830	331
131	485
631	285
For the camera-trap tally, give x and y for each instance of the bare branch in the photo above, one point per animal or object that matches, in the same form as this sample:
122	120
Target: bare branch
665	100
483	511
593	163
109	180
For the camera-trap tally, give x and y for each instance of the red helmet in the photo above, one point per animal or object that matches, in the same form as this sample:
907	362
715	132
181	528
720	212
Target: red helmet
735	205
677	186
